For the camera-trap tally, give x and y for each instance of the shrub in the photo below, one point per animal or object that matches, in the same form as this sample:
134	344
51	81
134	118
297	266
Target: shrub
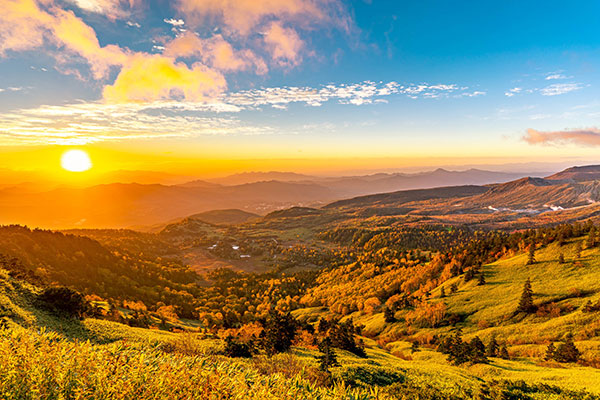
64	301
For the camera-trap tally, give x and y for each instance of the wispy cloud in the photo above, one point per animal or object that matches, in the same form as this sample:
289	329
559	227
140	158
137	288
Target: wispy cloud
77	124
513	91
560	88
108	121
556	76
356	94
581	137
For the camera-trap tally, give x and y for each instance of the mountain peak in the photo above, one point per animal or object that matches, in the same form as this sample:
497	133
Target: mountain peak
578	173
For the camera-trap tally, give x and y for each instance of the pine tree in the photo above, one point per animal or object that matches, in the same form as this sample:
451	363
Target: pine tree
492	348
328	359
561	258
477	351
481	281
503	353
567	352
388	315
442	292
550	352
526	302
453	288
531	257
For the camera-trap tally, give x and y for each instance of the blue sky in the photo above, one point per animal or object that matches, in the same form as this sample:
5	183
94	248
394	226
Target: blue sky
470	81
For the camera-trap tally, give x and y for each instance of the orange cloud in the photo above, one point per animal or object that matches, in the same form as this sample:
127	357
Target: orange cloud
80	38
582	137
284	44
23	25
242	15
148	77
143	77
215	51
111	9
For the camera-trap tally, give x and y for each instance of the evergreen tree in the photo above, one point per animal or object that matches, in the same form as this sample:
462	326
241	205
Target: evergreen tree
481	281
550	352
566	351
442	292
279	331
477	351
503	353
561	258
526	302
531	257
388	315
492	348
328	359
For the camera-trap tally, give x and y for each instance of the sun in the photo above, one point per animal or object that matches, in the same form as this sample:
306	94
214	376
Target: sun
76	161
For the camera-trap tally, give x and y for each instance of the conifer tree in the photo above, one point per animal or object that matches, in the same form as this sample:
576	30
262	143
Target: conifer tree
526	302
442	292
481	281
561	258
503	353
567	352
388	315
477	351
328	359
550	352
531	256
492	348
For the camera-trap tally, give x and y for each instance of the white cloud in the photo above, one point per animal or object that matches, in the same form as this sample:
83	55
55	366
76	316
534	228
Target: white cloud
133	24
513	91
556	77
76	124
174	22
560	88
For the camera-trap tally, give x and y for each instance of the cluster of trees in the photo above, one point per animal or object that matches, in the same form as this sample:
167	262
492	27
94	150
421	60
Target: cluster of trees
565	352
474	351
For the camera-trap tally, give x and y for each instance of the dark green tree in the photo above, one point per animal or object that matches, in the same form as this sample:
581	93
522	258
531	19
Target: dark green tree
503	353
477	351
328	359
526	302
492	348
531	256
388	315
561	258
279	331
442	292
566	351
550	352
481	280
414	347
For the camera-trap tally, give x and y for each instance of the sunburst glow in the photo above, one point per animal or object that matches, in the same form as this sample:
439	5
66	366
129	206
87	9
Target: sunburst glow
76	161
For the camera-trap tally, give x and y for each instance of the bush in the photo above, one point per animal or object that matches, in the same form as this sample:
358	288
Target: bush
236	348
64	301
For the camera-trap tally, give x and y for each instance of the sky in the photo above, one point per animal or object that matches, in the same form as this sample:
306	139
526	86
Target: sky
216	86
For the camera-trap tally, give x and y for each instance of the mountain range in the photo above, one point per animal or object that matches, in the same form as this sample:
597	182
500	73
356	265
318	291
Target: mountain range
143	205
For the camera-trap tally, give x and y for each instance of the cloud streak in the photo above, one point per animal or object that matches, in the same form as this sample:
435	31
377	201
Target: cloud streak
580	137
